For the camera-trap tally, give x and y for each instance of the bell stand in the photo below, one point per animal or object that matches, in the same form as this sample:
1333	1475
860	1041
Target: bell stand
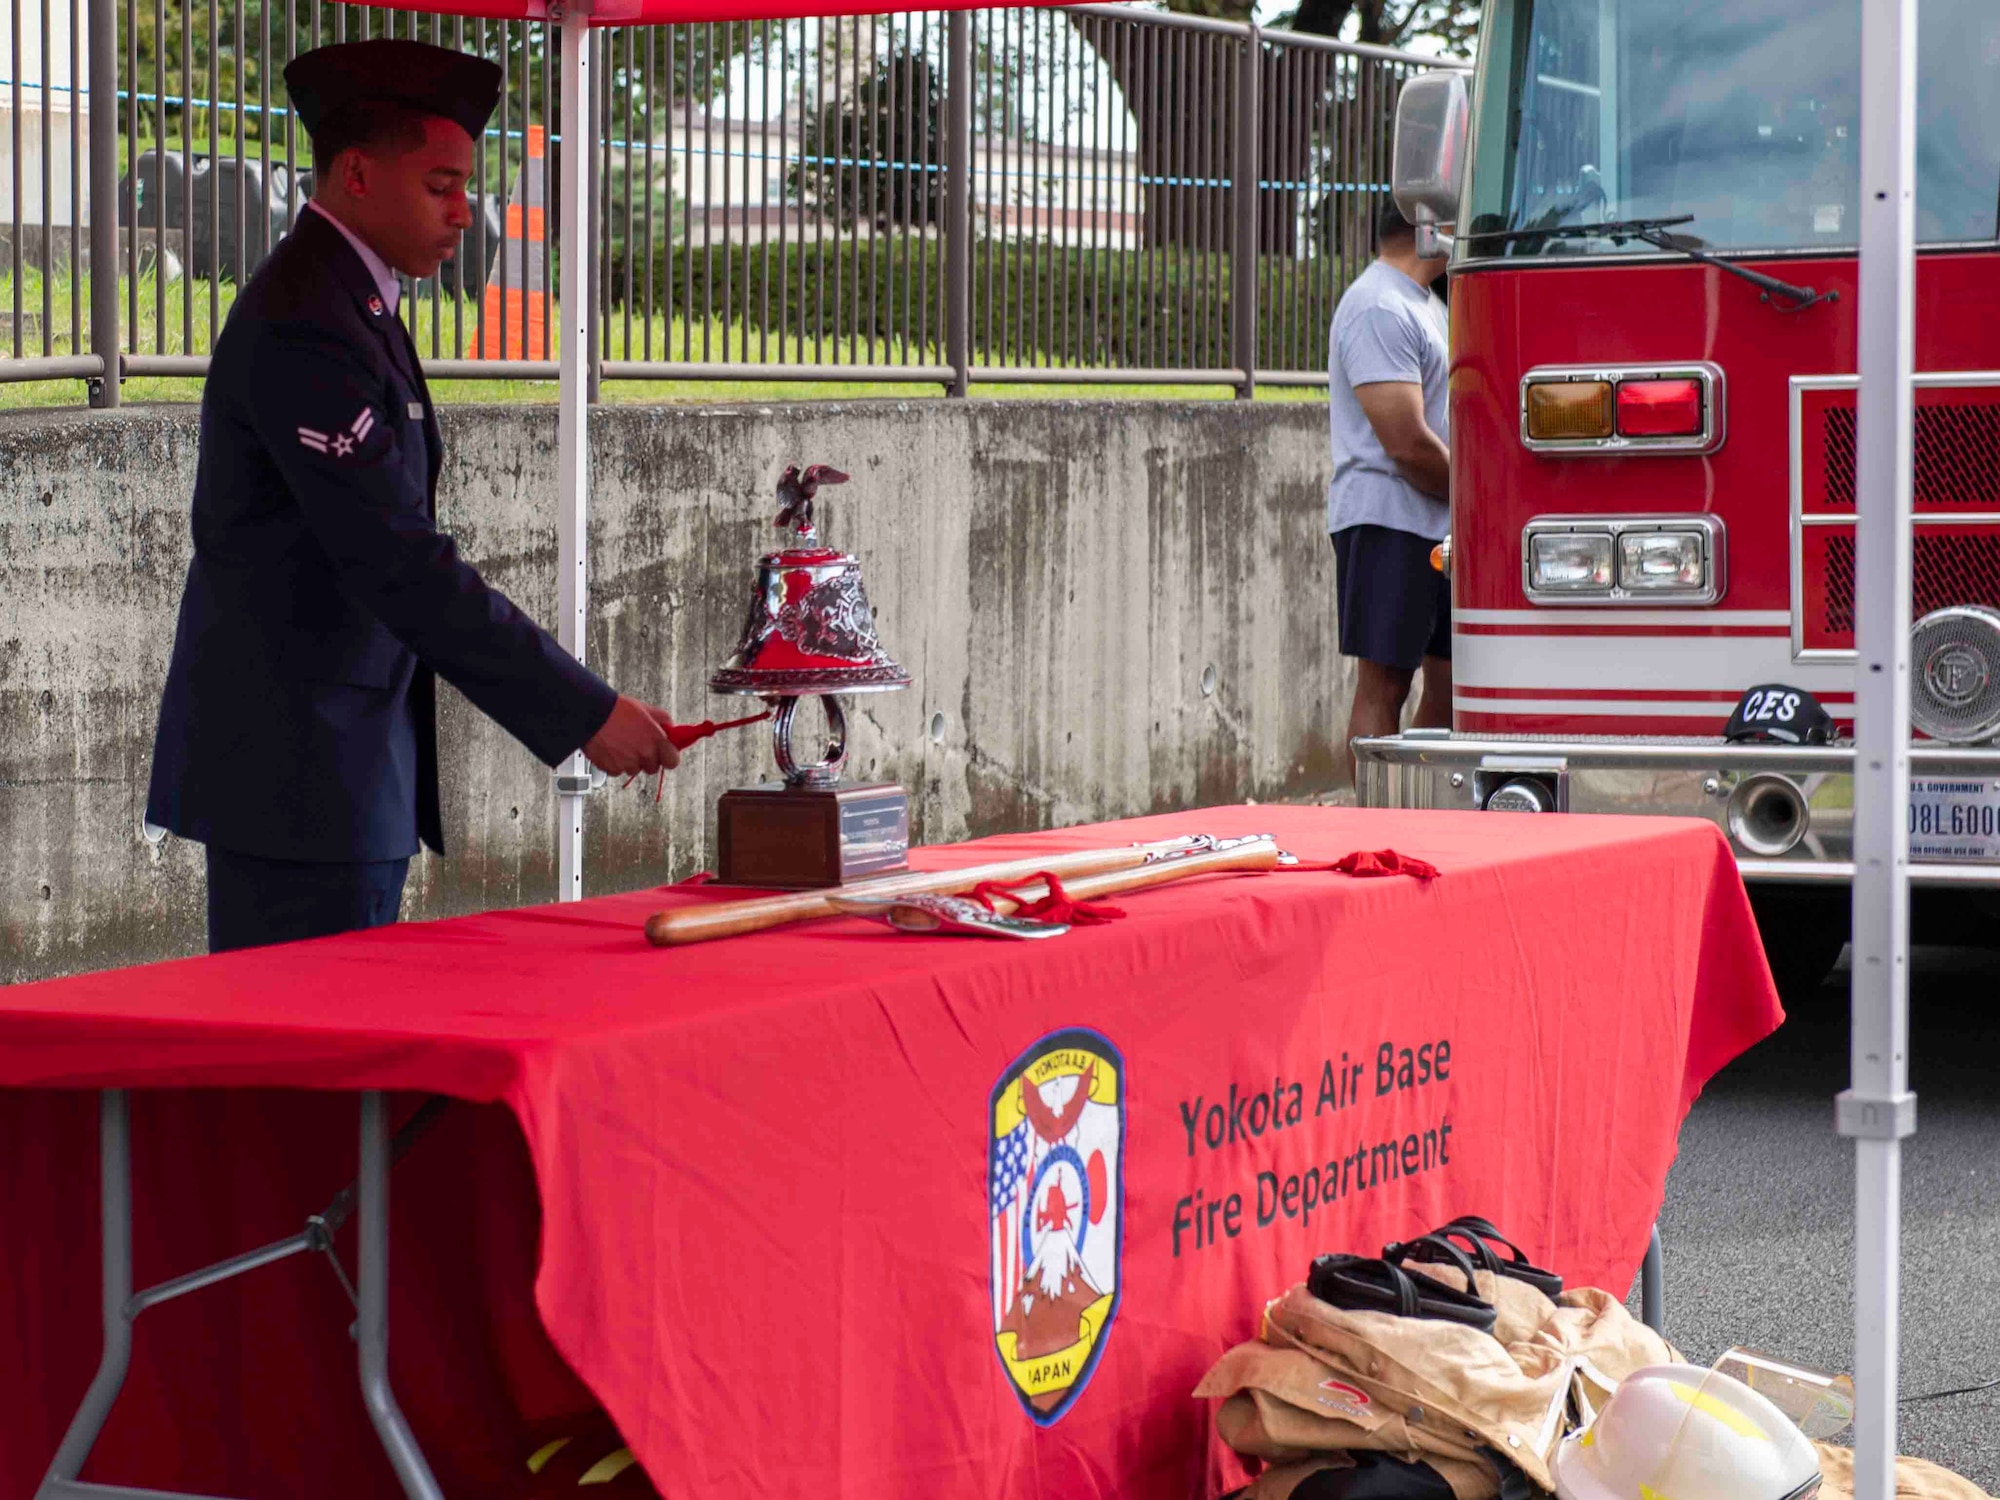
824	772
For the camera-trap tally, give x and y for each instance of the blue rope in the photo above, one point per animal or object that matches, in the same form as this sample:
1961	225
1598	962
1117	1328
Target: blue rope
804	159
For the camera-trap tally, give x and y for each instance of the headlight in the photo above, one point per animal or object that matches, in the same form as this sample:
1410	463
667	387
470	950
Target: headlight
1652	561
1663	561
1569	562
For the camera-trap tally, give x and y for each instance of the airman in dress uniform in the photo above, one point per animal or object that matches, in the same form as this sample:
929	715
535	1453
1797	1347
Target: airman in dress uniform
297	735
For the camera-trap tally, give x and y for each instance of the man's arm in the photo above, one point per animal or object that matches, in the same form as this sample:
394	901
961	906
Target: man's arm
321	420
1395	409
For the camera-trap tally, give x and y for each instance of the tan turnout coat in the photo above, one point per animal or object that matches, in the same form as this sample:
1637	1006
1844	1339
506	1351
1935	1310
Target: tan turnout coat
1320	1383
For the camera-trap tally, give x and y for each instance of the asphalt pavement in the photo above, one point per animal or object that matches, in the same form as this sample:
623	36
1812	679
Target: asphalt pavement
1759	1220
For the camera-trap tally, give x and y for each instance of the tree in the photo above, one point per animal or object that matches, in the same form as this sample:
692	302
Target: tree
1385	23
1184	114
874	156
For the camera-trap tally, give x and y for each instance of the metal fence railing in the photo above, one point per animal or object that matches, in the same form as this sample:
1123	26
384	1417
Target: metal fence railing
1090	194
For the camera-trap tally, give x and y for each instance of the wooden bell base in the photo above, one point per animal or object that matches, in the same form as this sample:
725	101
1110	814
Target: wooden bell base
803	838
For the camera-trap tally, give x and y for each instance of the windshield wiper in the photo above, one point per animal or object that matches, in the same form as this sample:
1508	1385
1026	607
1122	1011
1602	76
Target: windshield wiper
1610	229
1654	232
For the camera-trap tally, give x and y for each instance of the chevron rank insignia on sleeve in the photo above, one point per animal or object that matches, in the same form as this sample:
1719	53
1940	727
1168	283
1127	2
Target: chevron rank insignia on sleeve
339	444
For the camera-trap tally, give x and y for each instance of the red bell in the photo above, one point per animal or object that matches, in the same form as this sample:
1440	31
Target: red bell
810	632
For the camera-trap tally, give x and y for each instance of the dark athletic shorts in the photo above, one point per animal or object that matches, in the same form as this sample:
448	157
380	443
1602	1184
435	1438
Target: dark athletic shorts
1395	608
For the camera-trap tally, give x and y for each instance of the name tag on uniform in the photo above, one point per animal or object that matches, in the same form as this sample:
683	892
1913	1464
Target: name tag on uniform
416	411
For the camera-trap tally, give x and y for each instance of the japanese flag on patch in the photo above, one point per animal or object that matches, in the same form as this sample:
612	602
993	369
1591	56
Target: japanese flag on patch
343	443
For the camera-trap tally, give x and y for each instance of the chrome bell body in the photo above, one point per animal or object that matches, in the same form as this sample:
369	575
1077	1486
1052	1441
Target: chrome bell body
810	633
810	630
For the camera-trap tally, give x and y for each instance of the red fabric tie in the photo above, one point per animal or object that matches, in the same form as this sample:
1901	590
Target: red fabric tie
1370	862
1057	906
1364	863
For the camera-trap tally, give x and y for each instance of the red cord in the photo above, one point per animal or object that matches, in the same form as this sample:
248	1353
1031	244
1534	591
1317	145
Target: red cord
1057	906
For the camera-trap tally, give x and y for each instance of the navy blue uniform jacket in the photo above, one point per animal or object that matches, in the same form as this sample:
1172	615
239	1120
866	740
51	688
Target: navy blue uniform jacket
299	719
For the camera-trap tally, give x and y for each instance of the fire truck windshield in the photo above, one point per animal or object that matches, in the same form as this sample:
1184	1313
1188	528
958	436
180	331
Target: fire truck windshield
1744	114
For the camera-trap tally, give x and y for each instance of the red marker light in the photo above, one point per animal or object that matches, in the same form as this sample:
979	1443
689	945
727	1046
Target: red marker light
1659	408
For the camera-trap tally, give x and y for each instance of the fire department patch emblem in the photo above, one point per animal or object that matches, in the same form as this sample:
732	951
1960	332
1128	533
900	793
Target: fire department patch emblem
1056	1204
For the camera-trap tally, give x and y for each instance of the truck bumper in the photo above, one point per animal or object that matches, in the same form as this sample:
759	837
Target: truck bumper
1761	796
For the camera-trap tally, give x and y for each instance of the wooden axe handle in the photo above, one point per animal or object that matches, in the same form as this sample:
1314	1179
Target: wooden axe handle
1262	855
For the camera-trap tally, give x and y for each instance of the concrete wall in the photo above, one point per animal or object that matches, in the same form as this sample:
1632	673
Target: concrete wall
1057	577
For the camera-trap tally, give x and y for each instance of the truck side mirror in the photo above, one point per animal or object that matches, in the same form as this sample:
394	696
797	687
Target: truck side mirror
1428	160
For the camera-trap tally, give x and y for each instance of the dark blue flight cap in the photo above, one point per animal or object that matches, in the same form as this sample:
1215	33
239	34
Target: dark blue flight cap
431	80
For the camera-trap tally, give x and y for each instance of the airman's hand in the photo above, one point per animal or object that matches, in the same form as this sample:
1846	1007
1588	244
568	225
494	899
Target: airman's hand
632	741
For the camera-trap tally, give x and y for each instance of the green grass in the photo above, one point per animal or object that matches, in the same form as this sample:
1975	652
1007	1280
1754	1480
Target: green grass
32	394
672	338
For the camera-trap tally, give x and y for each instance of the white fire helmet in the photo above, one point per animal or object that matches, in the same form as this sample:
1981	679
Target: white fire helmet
1679	1432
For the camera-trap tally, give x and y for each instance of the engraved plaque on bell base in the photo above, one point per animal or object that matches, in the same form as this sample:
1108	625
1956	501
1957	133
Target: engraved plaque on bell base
802	838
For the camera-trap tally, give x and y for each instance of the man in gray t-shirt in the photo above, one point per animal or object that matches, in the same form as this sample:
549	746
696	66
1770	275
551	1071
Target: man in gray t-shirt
1387	504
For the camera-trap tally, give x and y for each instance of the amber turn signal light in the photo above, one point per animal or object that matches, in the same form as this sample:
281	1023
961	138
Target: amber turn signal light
1659	408
1569	410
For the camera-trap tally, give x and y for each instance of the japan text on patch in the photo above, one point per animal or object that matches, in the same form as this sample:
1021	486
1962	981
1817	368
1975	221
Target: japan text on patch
339	444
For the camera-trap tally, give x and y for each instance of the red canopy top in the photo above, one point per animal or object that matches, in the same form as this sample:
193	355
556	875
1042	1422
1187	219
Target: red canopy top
670	12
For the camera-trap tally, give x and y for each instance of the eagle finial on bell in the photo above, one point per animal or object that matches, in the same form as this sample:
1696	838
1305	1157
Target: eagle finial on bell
795	497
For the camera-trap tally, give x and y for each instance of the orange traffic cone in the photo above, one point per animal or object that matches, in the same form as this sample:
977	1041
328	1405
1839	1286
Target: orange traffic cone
514	323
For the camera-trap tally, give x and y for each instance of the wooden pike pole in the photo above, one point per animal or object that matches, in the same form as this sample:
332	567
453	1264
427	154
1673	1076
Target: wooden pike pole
1238	855
701	924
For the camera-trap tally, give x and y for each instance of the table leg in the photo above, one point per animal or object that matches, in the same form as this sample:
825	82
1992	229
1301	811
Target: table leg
121	1307
114	1144
372	1328
1652	1285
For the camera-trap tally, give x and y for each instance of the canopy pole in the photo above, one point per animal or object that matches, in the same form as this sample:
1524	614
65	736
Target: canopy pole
572	322
1878	1110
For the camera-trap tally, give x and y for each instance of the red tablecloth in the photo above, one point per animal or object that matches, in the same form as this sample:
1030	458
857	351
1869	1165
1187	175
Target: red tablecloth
779	1177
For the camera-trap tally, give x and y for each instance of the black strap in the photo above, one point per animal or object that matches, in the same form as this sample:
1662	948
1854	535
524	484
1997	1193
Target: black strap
1484	1231
1434	1249
1359	1283
1516	1266
1364	1284
1481	1252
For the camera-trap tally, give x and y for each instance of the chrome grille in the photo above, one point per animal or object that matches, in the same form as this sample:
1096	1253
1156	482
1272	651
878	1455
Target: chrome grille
1957	458
1952	567
1955	674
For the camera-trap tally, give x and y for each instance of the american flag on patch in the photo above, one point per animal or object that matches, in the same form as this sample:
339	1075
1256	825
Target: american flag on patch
1009	1181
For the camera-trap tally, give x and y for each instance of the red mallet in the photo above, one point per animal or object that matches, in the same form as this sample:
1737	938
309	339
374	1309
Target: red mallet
684	735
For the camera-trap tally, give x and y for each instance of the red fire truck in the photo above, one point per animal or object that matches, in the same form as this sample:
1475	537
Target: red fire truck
1652	209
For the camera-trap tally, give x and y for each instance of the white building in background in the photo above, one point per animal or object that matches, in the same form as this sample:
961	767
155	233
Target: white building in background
53	119
725	179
